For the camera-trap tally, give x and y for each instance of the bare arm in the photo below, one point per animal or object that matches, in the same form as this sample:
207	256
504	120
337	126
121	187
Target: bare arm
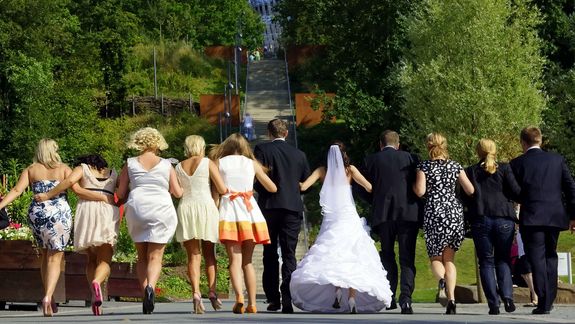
86	194
359	178
216	178
465	183
317	174
175	188
123	185
419	185
263	178
18	189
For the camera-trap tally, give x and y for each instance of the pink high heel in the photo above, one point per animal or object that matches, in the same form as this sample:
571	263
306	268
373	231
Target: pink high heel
97	293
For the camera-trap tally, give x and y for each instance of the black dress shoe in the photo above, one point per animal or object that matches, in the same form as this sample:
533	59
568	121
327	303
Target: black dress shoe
287	308
406	308
393	305
493	310
539	311
509	305
274	306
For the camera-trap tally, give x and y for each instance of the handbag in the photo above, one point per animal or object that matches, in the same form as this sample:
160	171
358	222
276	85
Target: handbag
4	219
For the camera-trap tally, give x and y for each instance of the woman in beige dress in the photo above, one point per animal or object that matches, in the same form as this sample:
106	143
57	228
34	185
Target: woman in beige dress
198	216
96	222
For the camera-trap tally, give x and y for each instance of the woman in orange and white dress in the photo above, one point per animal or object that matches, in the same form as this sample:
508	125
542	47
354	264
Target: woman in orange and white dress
242	224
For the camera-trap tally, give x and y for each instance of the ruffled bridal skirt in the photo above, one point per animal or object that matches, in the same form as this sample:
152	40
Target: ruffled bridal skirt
344	256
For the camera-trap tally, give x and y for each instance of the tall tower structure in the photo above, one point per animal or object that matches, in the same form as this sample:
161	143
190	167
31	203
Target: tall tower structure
273	31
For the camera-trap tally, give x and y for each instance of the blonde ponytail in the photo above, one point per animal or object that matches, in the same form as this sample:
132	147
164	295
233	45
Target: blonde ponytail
486	150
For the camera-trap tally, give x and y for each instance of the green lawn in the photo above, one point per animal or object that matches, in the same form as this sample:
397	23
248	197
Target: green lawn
426	285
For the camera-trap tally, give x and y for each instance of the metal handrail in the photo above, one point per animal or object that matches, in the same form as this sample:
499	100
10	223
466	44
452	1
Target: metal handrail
242	115
294	126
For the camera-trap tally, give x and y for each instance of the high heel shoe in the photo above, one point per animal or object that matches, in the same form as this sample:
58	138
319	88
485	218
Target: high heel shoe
96	310
148	303
97	293
251	309
352	306
54	307
46	307
450	309
337	301
215	301
238	307
198	305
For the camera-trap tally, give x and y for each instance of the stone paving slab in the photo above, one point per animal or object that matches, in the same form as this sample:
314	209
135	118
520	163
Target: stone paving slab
180	312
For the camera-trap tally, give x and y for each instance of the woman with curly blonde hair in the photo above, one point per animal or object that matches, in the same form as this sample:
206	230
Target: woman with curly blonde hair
442	213
147	181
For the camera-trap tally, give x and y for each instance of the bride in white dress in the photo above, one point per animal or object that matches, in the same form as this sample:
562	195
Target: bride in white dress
342	271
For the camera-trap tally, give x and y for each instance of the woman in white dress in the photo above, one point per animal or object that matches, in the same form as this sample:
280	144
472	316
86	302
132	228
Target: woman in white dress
147	182
342	271
242	224
97	218
198	217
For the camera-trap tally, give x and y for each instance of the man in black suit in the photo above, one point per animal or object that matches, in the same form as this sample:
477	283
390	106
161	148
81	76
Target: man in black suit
546	184
287	167
395	213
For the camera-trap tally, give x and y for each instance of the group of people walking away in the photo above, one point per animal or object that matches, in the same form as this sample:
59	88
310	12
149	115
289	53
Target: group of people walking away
342	271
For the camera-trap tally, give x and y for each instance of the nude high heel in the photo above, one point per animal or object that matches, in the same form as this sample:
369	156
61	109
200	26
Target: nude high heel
198	305
352	306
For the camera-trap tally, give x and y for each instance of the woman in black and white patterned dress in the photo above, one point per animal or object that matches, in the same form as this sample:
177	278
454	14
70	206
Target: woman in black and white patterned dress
443	212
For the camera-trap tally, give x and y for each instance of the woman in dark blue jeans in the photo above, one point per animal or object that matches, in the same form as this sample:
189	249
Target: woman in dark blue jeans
492	216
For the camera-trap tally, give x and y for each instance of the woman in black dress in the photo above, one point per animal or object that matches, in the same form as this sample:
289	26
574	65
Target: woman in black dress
493	217
443	213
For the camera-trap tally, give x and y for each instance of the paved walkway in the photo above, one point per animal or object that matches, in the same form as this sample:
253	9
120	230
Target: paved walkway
179	312
268	98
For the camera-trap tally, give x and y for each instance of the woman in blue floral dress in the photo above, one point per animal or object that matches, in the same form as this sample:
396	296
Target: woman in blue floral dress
51	220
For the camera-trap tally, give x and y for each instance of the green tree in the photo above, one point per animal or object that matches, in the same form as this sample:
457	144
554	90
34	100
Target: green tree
473	70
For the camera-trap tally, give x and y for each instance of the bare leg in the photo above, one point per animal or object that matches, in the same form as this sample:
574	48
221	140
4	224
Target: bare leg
194	261
92	260
437	267
234	250
142	263
209	252
528	277
450	272
104	258
249	272
154	269
52	271
352	293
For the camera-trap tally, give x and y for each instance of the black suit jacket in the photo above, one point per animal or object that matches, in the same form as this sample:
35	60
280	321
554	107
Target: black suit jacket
392	174
494	193
546	184
288	167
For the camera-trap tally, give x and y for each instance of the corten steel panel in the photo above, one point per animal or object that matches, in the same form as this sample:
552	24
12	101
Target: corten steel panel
211	105
305	115
224	53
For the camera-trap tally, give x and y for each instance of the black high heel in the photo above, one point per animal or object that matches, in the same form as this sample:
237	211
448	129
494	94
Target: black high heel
148	303
450	309
337	301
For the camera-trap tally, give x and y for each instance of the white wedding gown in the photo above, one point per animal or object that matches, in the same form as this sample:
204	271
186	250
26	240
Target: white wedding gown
343	254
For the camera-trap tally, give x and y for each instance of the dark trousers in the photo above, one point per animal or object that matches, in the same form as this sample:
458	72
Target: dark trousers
284	227
406	235
493	237
540	243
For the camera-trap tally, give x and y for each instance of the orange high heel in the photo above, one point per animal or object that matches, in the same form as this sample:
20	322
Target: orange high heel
251	309
238	308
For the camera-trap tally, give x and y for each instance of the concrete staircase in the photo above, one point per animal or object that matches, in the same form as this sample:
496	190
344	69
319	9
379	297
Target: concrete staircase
267	97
